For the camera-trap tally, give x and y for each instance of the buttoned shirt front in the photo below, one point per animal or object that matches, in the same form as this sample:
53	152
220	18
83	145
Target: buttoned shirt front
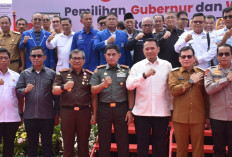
152	94
80	94
9	102
63	44
39	101
190	102
84	41
200	45
220	93
116	91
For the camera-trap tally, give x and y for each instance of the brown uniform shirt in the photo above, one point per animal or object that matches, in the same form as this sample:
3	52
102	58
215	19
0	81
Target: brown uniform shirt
11	43
80	95
192	105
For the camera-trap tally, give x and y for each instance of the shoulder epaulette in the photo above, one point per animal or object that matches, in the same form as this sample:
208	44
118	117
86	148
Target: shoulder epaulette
64	70
88	71
124	66
174	69
16	32
101	66
200	69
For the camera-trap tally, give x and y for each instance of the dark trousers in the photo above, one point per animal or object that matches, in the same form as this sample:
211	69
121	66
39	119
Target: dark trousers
222	136
72	123
143	126
7	132
34	127
106	117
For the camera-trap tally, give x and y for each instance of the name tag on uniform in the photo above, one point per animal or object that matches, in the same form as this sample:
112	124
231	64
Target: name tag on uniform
121	75
180	78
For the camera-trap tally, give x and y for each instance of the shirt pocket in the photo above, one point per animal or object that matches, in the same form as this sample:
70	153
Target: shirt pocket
12	91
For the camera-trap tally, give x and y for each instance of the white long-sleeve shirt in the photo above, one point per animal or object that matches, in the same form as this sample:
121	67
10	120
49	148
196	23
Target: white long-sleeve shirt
9	103
200	45
152	94
63	44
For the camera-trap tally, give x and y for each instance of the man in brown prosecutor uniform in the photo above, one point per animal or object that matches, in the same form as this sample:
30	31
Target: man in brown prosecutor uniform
190	104
76	102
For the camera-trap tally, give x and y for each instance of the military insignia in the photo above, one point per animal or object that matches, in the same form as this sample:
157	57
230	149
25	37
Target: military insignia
219	66
216	79
121	83
79	37
174	69
101	66
124	66
206	72
112	104
83	83
105	73
123	70
96	71
12	40
180	78
84	77
217	72
58	73
69	76
121	74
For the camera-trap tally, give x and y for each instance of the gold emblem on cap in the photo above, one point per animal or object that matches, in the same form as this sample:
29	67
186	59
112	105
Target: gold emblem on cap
105	73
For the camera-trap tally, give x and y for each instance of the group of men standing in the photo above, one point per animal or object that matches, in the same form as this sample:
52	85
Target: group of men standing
107	96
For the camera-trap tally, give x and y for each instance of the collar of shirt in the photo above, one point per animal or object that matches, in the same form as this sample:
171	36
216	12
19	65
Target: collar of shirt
83	31
62	34
71	70
147	62
110	32
32	69
108	66
174	30
183	70
202	33
7	72
149	35
9	34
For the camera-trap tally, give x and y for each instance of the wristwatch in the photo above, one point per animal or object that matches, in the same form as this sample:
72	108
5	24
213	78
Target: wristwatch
144	76
62	87
191	81
130	109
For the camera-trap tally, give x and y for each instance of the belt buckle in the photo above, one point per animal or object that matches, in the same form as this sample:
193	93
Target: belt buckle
76	108
112	104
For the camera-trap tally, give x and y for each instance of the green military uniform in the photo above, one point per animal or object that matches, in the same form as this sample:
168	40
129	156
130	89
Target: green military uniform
190	109
75	111
112	108
11	43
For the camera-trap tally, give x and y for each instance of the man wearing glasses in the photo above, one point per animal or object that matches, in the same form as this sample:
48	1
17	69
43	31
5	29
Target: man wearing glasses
219	87
204	45
56	24
78	104
224	35
101	22
35	84
136	43
47	23
37	36
182	20
190	104
168	38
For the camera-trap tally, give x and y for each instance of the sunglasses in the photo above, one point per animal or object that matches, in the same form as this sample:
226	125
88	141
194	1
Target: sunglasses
38	56
37	19
229	16
196	22
186	56
102	23
220	54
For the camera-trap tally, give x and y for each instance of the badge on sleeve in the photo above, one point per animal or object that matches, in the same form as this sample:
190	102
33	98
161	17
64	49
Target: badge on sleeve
206	72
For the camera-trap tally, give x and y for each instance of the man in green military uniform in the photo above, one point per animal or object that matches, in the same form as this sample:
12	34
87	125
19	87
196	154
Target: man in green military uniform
76	102
10	40
115	102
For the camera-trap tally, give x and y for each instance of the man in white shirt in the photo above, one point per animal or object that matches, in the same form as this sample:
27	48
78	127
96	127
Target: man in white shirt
204	45
152	103
63	42
9	109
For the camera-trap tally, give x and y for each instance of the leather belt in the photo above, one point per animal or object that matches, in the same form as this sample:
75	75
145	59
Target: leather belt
75	108
113	104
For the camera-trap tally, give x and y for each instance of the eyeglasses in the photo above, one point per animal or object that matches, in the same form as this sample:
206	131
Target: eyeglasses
37	19
38	56
186	56
196	22
77	59
4	58
46	20
102	23
183	19
55	21
229	16
220	54
147	25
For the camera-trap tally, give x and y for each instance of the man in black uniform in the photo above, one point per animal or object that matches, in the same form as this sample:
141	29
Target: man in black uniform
76	99
109	81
